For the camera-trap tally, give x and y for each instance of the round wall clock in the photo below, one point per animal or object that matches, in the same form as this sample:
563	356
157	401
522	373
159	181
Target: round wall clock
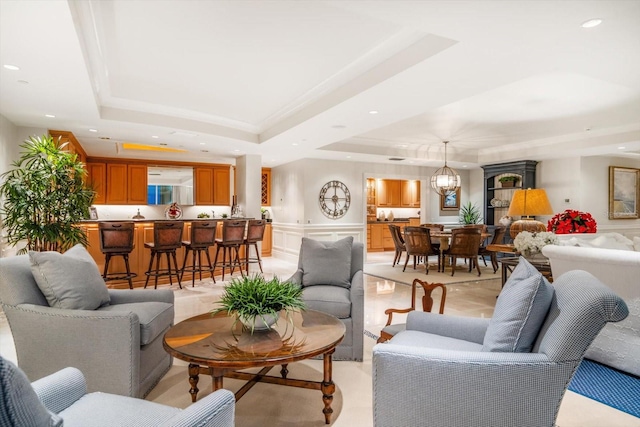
334	199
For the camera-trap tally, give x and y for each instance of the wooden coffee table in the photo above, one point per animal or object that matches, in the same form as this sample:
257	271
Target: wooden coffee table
214	346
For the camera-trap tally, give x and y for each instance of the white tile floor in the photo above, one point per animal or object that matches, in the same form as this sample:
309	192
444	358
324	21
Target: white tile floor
464	299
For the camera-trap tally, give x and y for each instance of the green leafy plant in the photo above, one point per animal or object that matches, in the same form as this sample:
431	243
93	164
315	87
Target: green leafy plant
203	215
470	214
509	178
251	297
45	197
224	215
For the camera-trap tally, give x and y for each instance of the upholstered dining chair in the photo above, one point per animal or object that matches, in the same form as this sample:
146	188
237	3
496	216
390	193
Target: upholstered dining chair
398	243
434	228
331	276
510	370
418	243
390	329
498	237
62	399
465	243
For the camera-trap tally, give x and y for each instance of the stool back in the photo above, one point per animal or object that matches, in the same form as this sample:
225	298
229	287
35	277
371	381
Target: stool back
255	230
233	231
116	237
167	235
203	233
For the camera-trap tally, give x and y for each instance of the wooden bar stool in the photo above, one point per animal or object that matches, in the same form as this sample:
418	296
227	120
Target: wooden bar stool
203	236
116	239
167	238
232	238
255	234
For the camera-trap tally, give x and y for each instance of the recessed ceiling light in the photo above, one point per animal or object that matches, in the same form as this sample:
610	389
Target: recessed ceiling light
621	148
295	143
236	151
23	82
202	143
373	112
338	126
51	116
348	157
591	23
464	166
93	130
155	136
11	67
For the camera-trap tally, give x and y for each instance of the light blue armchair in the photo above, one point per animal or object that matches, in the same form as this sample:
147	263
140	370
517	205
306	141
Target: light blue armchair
474	372
331	275
61	399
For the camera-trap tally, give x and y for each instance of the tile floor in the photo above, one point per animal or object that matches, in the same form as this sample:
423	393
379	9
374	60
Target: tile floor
463	299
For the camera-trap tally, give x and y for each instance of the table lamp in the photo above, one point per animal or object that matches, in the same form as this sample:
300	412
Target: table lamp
527	204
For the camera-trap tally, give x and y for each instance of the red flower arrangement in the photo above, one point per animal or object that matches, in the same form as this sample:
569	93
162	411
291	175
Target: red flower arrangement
571	221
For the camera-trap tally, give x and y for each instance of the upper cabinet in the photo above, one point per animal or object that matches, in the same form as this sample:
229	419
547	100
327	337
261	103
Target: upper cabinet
97	180
126	184
213	185
266	187
396	193
73	146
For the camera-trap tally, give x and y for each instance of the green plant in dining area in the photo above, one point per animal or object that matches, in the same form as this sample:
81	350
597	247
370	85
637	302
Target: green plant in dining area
45	197
470	214
253	299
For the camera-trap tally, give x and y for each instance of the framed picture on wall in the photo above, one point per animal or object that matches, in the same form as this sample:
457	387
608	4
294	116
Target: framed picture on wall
624	192
450	202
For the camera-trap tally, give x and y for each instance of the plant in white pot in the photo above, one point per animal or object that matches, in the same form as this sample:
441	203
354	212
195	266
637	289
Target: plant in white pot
257	302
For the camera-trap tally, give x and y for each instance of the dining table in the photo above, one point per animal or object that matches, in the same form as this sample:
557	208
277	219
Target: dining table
444	238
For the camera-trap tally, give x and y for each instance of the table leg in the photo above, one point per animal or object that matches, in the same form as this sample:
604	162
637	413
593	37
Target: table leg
194	371
217	375
284	371
327	387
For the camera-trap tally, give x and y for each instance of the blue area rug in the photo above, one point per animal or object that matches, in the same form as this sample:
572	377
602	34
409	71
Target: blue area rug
608	386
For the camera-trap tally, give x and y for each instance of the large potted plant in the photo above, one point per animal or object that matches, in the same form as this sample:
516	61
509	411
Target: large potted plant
257	302
44	197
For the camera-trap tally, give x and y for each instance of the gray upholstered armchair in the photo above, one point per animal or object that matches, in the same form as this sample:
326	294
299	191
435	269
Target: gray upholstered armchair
510	370
331	274
117	345
62	398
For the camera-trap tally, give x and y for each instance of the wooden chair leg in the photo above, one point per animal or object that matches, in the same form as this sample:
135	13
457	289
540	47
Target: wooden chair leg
146	282
126	265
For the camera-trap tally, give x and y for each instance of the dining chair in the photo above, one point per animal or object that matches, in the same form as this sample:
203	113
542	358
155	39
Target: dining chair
398	242
498	237
434	228
465	243
390	330
418	244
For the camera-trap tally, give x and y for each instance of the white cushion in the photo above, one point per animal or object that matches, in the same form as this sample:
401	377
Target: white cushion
70	280
520	311
612	241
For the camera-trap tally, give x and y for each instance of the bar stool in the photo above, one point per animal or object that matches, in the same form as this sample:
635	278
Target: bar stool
232	239
116	239
203	236
167	238
255	234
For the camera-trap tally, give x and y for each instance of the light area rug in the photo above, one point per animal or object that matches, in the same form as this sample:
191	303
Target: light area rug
461	275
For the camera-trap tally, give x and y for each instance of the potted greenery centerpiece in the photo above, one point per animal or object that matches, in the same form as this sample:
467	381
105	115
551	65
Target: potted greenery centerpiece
45	197
469	214
257	302
509	181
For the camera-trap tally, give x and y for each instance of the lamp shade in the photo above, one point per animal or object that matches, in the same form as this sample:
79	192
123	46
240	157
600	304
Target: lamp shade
530	202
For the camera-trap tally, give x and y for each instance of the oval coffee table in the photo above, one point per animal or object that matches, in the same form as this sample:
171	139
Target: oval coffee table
214	345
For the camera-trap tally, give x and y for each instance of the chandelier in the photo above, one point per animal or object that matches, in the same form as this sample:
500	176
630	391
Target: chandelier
445	181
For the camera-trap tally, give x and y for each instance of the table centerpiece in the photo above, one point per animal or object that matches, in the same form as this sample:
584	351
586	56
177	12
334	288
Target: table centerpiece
530	244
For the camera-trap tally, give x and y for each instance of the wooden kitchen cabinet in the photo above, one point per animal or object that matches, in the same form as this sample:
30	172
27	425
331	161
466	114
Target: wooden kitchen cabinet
410	197
126	184
377	238
212	186
267	241
97	180
266	187
389	192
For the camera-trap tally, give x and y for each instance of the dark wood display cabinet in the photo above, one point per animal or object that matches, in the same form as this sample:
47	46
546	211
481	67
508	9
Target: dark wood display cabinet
498	197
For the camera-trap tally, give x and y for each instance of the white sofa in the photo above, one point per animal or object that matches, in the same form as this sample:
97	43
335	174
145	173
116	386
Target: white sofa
618	344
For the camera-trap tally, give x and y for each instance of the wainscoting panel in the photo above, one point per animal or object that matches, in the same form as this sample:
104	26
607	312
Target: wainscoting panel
287	238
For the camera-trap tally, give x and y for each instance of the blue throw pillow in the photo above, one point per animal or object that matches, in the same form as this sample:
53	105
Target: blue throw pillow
520	311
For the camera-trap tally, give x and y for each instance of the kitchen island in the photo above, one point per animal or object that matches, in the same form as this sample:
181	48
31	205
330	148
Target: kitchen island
140	256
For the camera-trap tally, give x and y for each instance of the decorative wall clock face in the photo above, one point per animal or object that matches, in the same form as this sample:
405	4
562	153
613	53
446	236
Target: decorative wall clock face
334	199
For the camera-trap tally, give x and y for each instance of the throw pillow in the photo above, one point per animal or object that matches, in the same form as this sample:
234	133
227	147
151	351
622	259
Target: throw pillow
612	241
19	404
520	311
70	280
326	263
